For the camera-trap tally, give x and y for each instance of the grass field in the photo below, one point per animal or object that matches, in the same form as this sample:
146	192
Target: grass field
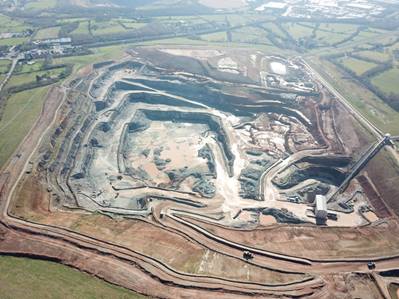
234	19
338	28
12	41
250	35
51	32
132	24
326	34
26	68
4	66
215	37
41	4
388	81
365	36
10	25
20	113
100	54
82	29
374	55
62	21
275	29
329	37
107	27
298	31
31	279
356	65
24	78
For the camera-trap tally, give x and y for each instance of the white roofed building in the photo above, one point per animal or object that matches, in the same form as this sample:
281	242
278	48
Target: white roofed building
320	211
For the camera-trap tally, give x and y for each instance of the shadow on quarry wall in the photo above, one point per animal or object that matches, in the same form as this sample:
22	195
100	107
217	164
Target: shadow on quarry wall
323	169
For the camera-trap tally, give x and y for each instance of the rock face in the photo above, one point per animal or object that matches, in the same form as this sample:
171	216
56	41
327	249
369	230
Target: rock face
206	153
282	216
251	175
296	175
139	123
205	187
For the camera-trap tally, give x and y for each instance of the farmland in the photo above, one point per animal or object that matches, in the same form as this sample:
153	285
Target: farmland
4	66
356	65
31	76
29	275
20	112
388	81
51	32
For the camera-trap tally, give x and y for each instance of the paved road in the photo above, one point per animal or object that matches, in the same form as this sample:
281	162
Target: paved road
14	63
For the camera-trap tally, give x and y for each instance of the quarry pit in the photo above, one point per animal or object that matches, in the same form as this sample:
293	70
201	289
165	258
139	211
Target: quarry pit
209	153
243	151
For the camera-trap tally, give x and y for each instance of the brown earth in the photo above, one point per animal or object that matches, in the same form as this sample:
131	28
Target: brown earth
140	235
315	242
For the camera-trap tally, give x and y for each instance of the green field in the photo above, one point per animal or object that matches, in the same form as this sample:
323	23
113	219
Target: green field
63	21
174	19
365	36
41	4
325	34
11	25
237	19
83	28
26	68
338	28
298	31
20	113
329	38
250	35
12	41
234	19
275	29
100	54
388	81
51	32
131	24
107	27
33	279
4	66
356	65
374	55
24	78
215	37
